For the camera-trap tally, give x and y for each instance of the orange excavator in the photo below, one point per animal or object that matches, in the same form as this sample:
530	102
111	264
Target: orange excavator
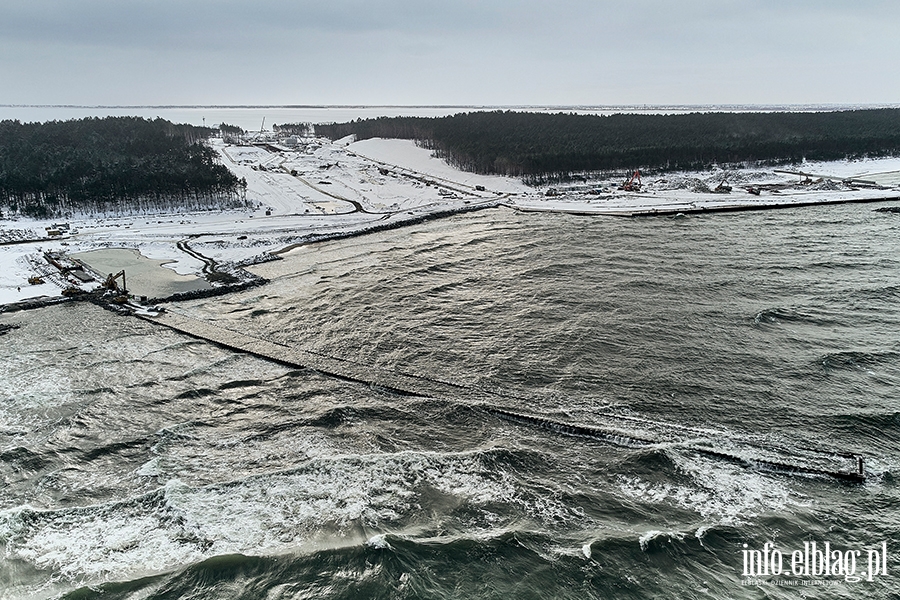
633	184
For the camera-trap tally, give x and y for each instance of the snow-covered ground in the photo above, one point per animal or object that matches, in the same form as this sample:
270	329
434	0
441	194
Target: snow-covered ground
318	188
322	188
691	192
405	157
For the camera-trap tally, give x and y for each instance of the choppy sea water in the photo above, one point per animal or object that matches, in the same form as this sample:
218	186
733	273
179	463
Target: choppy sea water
139	463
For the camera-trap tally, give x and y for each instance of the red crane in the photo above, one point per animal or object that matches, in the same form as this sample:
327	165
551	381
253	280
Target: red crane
633	184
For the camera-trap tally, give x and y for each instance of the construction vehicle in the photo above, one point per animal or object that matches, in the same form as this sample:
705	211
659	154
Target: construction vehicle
633	184
35	280
112	283
722	188
257	136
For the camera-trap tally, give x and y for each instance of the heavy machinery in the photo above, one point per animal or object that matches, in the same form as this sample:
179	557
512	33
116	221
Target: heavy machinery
112	283
35	280
633	184
257	136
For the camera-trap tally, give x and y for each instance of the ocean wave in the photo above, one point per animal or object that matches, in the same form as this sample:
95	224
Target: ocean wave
498	563
20	458
649	462
273	512
886	293
854	360
241	383
380	566
196	393
787	315
717	490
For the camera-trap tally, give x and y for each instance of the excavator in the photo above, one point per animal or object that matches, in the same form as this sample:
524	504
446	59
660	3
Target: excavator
722	188
633	184
112	283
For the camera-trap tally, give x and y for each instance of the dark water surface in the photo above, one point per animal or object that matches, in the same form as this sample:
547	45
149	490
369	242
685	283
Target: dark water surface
139	463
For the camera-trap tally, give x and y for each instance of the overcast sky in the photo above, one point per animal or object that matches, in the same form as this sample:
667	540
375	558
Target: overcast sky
460	52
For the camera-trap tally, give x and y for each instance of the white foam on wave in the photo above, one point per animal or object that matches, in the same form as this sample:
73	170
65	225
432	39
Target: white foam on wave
724	492
701	533
151	468
646	538
93	542
379	542
264	514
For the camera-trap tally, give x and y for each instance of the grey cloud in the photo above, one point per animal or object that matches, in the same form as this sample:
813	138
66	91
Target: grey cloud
147	22
424	51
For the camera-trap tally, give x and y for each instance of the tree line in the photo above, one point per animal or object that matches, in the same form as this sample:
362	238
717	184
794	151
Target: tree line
299	129
542	146
225	130
111	165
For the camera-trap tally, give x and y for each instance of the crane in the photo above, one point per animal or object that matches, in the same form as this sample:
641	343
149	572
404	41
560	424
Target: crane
633	184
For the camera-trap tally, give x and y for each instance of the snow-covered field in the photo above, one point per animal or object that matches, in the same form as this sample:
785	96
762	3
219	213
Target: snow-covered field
321	188
405	156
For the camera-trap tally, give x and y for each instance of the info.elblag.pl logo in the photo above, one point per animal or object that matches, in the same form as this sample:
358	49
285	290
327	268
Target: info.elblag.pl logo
814	564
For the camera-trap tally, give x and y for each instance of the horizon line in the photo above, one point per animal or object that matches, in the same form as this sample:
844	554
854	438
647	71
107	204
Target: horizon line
545	106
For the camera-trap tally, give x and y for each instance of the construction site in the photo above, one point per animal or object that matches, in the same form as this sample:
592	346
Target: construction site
304	189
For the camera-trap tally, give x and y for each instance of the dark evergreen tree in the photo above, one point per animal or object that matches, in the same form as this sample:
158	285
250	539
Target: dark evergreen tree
301	129
116	164
537	146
